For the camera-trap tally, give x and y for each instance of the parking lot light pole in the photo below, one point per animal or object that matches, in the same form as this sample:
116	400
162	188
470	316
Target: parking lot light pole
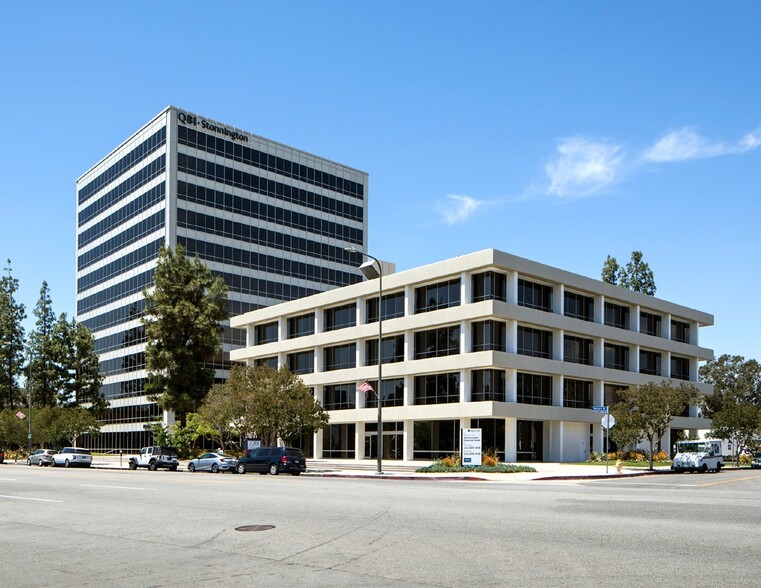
370	272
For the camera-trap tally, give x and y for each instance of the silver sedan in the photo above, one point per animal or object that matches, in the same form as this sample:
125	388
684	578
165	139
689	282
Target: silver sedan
213	462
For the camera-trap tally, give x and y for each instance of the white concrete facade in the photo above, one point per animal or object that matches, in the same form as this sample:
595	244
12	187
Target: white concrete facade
556	423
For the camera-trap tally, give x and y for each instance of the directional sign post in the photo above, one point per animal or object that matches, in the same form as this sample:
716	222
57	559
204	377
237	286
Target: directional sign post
607	422
600	408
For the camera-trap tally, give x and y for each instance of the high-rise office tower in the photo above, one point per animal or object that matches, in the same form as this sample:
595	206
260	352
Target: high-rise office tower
272	220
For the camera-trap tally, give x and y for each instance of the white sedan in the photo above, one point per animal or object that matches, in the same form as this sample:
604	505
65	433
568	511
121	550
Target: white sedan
72	456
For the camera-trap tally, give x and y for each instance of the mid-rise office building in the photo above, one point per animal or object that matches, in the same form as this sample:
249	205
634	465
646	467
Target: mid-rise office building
521	350
272	220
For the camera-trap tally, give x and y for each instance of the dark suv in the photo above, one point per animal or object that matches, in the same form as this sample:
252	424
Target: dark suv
274	460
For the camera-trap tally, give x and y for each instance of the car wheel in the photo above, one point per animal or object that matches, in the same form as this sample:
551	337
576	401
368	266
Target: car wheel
39	463
214	468
704	468
241	468
66	463
28	462
191	467
52	464
274	469
718	467
152	466
132	465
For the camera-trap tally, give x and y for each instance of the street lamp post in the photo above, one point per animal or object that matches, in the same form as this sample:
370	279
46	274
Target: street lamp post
369	271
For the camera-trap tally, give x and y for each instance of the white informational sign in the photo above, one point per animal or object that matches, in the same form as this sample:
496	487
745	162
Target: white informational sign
471	447
608	421
253	444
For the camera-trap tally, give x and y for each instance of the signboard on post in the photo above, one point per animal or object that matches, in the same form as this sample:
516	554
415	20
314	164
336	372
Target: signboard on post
600	408
608	421
471	447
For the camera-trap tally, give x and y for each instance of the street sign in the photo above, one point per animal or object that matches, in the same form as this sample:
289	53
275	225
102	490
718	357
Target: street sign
600	408
608	421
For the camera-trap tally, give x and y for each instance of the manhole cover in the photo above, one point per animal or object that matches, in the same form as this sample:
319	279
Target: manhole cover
255	528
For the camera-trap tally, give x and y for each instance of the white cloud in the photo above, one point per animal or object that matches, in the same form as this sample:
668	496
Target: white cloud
685	144
583	166
457	208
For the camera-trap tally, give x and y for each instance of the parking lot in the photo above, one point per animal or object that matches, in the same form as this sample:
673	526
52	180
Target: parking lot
125	528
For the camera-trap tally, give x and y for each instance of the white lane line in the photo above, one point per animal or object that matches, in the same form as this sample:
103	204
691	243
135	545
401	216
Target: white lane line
28	498
115	487
7	479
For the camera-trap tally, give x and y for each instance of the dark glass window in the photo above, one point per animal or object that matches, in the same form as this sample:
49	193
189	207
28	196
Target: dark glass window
488	385
577	350
301	363
579	306
534	389
436	296
616	315
534	295
338	441
437	388
680	331
340	317
577	393
339	397
489	336
680	368
435	439
616	357
393	307
649	362
393	350
437	342
340	357
650	324
265	333
300	326
392	393
534	342
489	286
270	362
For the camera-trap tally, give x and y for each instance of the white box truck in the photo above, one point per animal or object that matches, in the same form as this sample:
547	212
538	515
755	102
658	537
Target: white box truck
698	456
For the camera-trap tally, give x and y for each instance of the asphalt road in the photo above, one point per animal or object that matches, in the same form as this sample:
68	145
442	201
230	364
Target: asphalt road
122	528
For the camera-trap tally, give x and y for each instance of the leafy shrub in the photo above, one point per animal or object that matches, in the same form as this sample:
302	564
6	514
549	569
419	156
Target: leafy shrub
451	461
489	458
746	459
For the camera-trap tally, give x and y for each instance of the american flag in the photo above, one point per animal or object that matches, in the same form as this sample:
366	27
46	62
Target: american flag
366	387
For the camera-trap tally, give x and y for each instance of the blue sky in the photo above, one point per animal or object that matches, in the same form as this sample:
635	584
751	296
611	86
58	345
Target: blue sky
557	131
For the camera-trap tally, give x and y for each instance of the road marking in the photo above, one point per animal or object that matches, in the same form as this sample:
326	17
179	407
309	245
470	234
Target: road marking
7	479
729	481
28	498
115	487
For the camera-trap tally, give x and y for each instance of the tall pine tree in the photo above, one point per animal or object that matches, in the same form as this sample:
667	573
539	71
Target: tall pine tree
12	314
45	380
183	315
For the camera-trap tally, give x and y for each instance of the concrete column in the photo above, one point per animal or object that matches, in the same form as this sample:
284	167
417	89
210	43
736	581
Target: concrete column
319	316
466	392
512	287
600	309
598	393
557	390
694	366
362	312
409	391
408	451
666	364
282	359
555	452
282	329
511	383
598	352
511	333
409	345
318	352
466	337
666	326
409	300
558	299
362	352
634	317
694	331
319	394
466	288
634	358
250	335
558	336
318	444
511	440
359	441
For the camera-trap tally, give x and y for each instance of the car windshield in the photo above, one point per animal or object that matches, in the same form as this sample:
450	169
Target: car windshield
692	447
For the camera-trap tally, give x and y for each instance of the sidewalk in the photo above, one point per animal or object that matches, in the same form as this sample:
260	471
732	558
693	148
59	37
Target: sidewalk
406	470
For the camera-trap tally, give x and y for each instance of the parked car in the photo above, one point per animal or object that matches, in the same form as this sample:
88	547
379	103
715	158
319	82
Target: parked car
756	463
155	457
72	456
213	462
41	457
274	460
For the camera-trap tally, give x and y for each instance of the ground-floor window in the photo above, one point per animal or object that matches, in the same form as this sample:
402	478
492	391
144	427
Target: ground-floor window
393	440
338	441
530	441
492	435
435	439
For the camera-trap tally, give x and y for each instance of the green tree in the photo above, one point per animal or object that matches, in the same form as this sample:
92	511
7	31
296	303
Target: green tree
219	413
12	314
734	381
629	427
653	406
13	430
78	366
45	352
72	423
635	276
738	423
183	316
610	271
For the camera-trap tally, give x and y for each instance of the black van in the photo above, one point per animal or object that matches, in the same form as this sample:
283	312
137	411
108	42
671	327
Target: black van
274	460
